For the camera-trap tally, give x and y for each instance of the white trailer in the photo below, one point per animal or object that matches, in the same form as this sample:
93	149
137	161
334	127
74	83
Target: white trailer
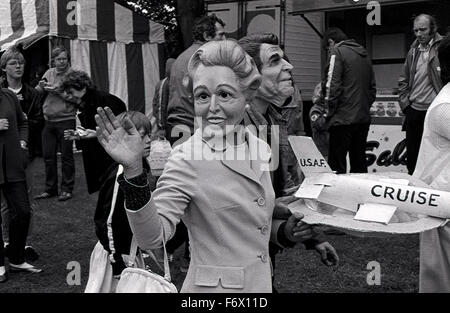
300	41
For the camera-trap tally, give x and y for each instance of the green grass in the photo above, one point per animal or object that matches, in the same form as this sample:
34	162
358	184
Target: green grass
64	232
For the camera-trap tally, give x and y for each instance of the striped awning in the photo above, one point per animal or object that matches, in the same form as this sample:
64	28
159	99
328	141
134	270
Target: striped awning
26	21
23	22
129	71
118	48
101	20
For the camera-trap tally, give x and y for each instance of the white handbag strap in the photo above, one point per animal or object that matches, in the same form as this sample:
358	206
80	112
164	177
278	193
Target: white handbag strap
166	262
111	212
160	101
133	251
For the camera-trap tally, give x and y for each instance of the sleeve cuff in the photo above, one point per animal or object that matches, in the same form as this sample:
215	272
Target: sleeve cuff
136	190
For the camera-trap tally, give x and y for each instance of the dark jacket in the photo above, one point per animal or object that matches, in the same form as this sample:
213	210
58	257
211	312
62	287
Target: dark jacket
351	87
12	156
181	101
282	179
121	230
95	160
31	103
406	79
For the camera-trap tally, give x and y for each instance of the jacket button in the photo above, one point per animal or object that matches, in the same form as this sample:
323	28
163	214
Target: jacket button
264	229
261	201
263	258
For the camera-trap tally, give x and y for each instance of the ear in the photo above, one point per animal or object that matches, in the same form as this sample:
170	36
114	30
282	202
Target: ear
255	83
253	87
187	83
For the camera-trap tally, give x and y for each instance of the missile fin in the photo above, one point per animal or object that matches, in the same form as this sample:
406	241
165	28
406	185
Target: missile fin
375	212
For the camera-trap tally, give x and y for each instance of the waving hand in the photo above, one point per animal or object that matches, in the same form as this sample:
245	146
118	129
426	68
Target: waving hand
122	142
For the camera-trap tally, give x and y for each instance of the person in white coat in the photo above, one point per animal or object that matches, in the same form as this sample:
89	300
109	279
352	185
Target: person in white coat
433	167
218	182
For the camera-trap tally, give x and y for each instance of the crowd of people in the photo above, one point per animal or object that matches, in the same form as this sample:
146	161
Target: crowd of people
227	108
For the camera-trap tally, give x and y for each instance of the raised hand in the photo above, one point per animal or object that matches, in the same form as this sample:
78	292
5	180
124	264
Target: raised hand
123	143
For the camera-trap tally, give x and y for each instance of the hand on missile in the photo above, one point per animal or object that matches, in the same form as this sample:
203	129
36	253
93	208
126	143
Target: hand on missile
296	230
281	210
328	254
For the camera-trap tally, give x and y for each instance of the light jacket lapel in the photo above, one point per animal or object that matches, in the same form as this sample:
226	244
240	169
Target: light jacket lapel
241	167
259	153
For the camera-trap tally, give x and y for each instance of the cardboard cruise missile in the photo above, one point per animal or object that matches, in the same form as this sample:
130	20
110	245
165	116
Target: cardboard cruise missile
385	202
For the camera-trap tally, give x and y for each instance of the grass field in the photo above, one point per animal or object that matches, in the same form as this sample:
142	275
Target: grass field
64	232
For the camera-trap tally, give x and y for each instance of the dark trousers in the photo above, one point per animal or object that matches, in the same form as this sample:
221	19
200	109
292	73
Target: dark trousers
414	129
52	138
16	195
351	139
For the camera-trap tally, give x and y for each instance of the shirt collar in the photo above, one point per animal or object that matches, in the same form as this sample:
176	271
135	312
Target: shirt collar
425	48
258	149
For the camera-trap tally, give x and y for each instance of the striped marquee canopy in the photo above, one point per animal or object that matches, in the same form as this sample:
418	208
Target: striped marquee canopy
117	47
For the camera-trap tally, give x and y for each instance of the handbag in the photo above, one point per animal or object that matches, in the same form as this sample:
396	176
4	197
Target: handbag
141	280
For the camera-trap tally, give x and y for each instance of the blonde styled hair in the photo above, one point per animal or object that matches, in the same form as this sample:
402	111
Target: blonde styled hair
227	53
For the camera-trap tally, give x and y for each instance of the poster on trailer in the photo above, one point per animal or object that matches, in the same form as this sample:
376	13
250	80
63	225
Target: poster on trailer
386	144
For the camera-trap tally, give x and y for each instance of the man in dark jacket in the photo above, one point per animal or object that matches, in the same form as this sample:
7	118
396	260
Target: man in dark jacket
419	83
349	93
76	88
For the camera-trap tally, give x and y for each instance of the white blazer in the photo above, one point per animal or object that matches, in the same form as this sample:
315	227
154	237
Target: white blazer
227	206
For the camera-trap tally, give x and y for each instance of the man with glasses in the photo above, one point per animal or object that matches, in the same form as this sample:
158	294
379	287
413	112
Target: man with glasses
59	116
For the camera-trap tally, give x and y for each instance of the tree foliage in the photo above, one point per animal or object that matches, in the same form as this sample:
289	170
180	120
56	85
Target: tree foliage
161	11
177	16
